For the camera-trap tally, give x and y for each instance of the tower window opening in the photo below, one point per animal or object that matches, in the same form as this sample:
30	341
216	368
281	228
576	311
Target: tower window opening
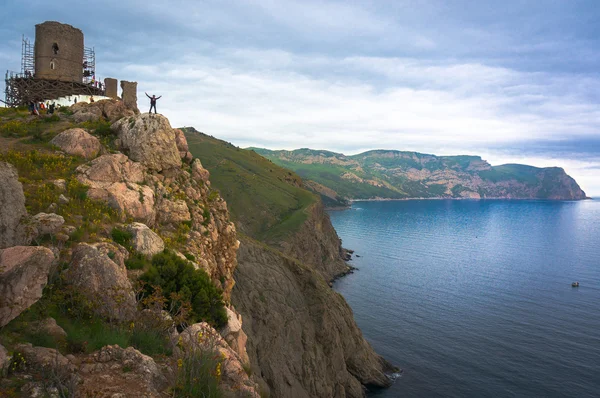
55	48
53	64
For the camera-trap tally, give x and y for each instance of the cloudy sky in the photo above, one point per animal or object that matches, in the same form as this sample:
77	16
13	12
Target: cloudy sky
512	80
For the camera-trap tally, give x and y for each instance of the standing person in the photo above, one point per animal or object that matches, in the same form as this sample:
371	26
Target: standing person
153	100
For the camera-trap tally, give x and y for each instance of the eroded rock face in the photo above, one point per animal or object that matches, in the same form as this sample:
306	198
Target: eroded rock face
111	110
182	146
116	180
103	282
294	322
78	142
317	244
235	336
172	212
202	337
145	241
199	173
150	140
47	223
12	208
23	276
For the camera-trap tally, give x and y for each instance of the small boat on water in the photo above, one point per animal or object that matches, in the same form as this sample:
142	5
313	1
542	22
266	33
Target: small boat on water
575	284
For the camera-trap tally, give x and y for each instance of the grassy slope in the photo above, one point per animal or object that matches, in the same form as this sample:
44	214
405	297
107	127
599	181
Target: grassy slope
267	202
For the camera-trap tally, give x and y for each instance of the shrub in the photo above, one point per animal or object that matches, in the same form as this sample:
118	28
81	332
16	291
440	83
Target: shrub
136	261
121	237
175	275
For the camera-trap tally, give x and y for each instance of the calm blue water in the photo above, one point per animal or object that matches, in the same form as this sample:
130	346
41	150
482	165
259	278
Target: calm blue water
474	298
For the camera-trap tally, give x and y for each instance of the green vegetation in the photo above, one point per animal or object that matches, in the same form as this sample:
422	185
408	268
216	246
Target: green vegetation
122	237
177	276
259	194
199	375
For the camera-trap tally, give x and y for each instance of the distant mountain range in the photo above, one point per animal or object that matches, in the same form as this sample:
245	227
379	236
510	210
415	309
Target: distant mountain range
388	174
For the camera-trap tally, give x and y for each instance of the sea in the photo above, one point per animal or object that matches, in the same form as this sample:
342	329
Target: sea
473	298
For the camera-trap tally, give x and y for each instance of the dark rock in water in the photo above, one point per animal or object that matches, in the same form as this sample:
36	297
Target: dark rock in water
357	255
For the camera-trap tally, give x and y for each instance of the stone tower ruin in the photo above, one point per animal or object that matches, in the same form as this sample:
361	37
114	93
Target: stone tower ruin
59	67
58	52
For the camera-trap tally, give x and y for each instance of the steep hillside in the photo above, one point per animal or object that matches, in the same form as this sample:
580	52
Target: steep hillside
270	203
395	175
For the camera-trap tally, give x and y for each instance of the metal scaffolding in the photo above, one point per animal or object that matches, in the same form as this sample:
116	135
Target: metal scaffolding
27	57
89	65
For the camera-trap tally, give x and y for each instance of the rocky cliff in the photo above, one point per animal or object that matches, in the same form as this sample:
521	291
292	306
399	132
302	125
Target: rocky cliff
384	174
302	338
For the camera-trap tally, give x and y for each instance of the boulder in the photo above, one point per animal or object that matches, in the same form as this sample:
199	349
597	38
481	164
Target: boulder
46	223
150	140
201	337
115	110
103	282
129	372
235	336
114	251
129	95
60	184
114	179
63	200
78	142
173	212
49	327
44	359
23	275
199	173
145	241
12	208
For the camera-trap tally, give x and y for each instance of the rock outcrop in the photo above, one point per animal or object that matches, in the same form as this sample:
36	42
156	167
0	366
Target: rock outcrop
111	110
118	181
150	140
12	208
103	282
23	275
121	372
302	338
235	336
144	240
317	244
78	142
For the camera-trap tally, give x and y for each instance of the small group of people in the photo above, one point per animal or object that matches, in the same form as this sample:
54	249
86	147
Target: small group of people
96	83
37	108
